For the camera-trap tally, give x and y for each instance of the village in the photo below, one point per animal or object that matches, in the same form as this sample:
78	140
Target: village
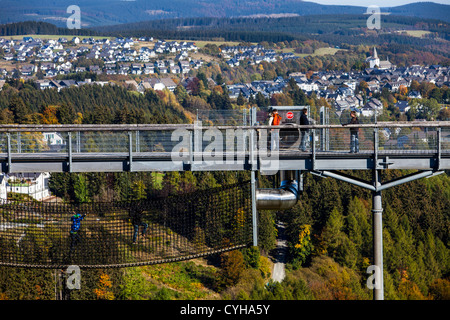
164	64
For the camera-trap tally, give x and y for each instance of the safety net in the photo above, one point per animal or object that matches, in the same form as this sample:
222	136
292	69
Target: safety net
125	233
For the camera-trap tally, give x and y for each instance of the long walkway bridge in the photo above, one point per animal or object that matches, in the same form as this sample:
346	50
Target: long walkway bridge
115	148
201	223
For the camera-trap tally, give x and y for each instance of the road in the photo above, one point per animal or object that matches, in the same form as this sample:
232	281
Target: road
279	254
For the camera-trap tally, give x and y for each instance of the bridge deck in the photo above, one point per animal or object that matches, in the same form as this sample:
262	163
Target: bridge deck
113	148
162	161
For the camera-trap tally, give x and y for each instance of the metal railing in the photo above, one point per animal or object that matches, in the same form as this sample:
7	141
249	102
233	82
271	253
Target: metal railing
24	148
393	137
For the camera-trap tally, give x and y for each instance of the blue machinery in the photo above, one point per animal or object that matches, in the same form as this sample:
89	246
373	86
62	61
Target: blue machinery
422	146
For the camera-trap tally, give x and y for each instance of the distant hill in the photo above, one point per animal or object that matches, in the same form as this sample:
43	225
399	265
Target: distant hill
423	10
110	12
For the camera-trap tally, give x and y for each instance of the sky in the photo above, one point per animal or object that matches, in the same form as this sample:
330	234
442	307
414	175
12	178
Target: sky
380	3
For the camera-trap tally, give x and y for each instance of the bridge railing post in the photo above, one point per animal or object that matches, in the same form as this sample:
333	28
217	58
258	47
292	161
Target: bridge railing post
438	147
78	141
313	149
19	142
138	141
8	145
69	149
375	147
130	151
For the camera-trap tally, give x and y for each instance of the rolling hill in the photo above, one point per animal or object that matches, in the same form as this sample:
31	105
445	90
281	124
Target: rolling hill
110	12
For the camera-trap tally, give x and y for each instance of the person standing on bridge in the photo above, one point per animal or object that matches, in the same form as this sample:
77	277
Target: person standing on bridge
136	220
275	120
304	121
75	227
354	139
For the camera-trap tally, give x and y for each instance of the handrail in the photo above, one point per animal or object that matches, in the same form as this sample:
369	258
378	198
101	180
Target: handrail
165	127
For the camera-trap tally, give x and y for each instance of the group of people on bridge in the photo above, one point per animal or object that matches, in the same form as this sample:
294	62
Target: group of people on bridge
275	120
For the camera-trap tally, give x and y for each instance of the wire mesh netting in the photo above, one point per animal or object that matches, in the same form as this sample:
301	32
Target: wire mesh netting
125	233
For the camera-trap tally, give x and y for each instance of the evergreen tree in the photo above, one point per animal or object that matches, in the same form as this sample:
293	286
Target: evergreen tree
19	110
66	114
240	99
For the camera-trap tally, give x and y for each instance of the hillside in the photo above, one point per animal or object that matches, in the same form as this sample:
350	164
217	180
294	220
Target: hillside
110	12
337	30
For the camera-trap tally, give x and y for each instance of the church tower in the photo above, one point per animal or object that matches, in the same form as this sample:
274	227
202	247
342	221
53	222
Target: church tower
373	60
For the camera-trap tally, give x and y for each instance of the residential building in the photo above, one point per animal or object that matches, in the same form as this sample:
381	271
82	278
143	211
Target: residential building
33	184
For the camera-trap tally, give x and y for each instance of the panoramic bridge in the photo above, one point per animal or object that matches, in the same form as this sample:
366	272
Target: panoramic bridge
115	148
421	147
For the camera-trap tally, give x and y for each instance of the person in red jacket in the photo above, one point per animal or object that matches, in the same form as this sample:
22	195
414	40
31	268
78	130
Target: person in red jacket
275	120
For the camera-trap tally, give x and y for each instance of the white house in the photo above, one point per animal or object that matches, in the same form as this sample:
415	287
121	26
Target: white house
53	138
308	86
3	191
372	106
33	184
155	83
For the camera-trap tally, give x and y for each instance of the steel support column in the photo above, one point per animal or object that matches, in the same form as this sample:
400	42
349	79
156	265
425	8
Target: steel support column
377	210
254	210
377	213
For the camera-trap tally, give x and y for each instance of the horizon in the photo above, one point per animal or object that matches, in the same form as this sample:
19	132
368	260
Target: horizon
380	3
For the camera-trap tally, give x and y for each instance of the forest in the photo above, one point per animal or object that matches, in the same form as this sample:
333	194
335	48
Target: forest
329	240
329	230
38	27
110	12
340	24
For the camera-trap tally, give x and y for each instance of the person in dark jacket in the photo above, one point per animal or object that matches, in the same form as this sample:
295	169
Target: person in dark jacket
136	220
304	132
354	139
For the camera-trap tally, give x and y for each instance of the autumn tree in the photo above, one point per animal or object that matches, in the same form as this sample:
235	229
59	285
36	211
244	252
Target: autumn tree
403	90
232	267
281	99
48	115
301	250
103	290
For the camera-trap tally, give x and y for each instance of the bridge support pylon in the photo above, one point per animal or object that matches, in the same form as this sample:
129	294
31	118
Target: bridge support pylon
377	226
377	210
